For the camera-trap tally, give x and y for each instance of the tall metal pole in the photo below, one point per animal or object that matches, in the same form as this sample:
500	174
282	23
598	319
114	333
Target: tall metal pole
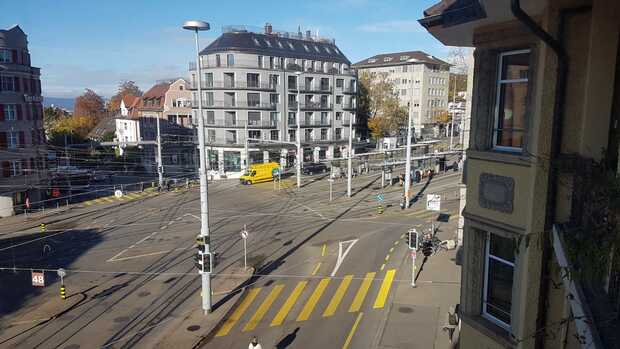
204	203
247	153
299	150
408	162
453	113
160	166
350	155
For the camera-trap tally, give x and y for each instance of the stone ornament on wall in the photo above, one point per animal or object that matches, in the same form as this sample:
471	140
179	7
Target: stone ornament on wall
496	192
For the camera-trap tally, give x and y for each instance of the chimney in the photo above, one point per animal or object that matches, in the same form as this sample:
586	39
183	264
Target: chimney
268	28
308	34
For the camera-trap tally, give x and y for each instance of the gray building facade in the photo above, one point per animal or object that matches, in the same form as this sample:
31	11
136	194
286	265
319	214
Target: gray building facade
22	137
258	78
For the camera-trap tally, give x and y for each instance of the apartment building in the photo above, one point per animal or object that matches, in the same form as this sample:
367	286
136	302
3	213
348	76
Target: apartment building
257	80
540	240
22	138
420	82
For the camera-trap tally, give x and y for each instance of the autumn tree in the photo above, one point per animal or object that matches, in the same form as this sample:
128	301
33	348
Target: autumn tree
380	105
89	104
458	72
125	88
51	115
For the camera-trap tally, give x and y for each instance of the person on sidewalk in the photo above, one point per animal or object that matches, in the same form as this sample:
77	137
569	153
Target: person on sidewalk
254	344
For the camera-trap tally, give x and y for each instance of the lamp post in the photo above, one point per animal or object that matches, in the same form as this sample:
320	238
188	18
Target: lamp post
204	204
299	150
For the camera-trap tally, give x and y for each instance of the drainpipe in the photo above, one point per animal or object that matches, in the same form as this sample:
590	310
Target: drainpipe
556	142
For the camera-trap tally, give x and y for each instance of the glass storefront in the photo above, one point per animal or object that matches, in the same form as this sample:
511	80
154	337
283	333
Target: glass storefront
232	161
214	160
256	157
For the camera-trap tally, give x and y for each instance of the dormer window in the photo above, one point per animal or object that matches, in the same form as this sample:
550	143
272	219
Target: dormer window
328	50
387	59
268	43
280	44
372	60
404	58
290	45
316	48
256	42
306	48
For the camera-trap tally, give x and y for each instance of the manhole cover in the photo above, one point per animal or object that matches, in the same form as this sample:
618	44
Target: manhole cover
193	328
121	319
144	294
405	310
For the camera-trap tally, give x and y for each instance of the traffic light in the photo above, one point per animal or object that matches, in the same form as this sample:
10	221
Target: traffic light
63	292
427	248
412	239
204	262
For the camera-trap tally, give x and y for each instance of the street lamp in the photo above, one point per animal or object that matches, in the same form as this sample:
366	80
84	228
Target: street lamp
204	205
299	150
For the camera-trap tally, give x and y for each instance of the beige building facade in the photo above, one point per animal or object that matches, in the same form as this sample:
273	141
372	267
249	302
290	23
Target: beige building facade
544	121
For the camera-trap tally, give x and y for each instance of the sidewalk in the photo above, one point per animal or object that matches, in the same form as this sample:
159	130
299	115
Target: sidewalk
416	316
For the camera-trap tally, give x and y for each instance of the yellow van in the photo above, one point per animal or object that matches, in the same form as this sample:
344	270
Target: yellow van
259	173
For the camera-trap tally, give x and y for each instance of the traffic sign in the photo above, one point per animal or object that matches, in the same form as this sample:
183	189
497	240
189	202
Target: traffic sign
275	172
61	272
244	234
433	202
380	197
118	193
38	279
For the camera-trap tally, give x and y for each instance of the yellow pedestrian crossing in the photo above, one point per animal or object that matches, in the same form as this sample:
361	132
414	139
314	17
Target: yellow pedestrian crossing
361	293
264	307
333	304
286	308
236	315
316	295
385	289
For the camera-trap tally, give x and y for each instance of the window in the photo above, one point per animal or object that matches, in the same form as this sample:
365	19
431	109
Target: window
292	118
338	115
252	80
10	112
7	83
339	83
271	62
5	56
12	142
229	80
273	81
210	117
339	99
309	134
274	98
338	133
211	136
292	135
253	99
267	42
323	134
372	60
273	118
231	136
498	275
387	59
209	100
253	118
292	82
229	99
324	118
232	160
404	58
404	66
230	60
260	61
230	117
254	135
403	92
512	87
274	135
218	61
256	42
16	168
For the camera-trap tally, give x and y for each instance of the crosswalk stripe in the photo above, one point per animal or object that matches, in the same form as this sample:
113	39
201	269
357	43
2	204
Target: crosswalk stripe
281	315
361	293
108	199
89	203
133	196
236	315
263	308
385	289
99	201
314	298
337	298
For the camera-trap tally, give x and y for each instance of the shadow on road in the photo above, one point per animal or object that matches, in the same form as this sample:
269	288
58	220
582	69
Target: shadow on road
288	340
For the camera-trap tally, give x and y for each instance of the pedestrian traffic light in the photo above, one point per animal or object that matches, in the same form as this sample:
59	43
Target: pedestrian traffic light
412	239
427	248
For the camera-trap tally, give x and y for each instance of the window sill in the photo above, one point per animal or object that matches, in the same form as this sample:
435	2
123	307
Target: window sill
496	155
489	329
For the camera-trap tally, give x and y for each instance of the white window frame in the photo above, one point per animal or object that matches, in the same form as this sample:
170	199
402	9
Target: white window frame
12	140
487	255
6	56
10	112
498	84
16	168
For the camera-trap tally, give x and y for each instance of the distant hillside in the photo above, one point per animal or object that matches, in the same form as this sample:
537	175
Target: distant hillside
66	103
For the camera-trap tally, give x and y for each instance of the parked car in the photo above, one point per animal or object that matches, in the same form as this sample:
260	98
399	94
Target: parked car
314	167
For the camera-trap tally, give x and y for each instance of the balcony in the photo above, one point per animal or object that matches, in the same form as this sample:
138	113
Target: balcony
315	89
310	106
351	90
349	106
233	85
310	123
235	105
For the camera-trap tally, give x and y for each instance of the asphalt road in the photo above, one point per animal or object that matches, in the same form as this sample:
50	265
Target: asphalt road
131	266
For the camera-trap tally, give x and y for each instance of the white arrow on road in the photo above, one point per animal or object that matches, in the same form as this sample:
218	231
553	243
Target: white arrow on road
342	255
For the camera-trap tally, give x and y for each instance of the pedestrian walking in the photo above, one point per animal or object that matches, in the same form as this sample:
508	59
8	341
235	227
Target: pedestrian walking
254	344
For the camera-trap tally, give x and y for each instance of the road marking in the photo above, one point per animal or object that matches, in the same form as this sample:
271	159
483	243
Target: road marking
402	236
162	227
391	249
114	259
341	255
385	289
281	315
263	308
382	266
337	298
108	199
316	269
314	298
350	336
144	255
236	315
387	257
323	250
396	242
361	293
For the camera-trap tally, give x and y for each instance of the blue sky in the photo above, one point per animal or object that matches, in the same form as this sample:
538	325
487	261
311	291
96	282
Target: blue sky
96	44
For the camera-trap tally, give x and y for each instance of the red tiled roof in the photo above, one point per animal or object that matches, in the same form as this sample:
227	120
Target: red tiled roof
129	100
157	91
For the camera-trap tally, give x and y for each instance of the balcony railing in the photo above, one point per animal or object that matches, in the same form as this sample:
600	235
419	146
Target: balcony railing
241	123
277	66
233	85
310	106
310	123
349	106
234	105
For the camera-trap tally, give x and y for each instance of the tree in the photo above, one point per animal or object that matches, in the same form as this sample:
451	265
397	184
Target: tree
51	115
380	105
125	88
458	72
89	104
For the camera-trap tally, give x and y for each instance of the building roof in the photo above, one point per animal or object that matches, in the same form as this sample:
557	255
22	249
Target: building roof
130	101
105	125
276	45
157	91
447	13
399	58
